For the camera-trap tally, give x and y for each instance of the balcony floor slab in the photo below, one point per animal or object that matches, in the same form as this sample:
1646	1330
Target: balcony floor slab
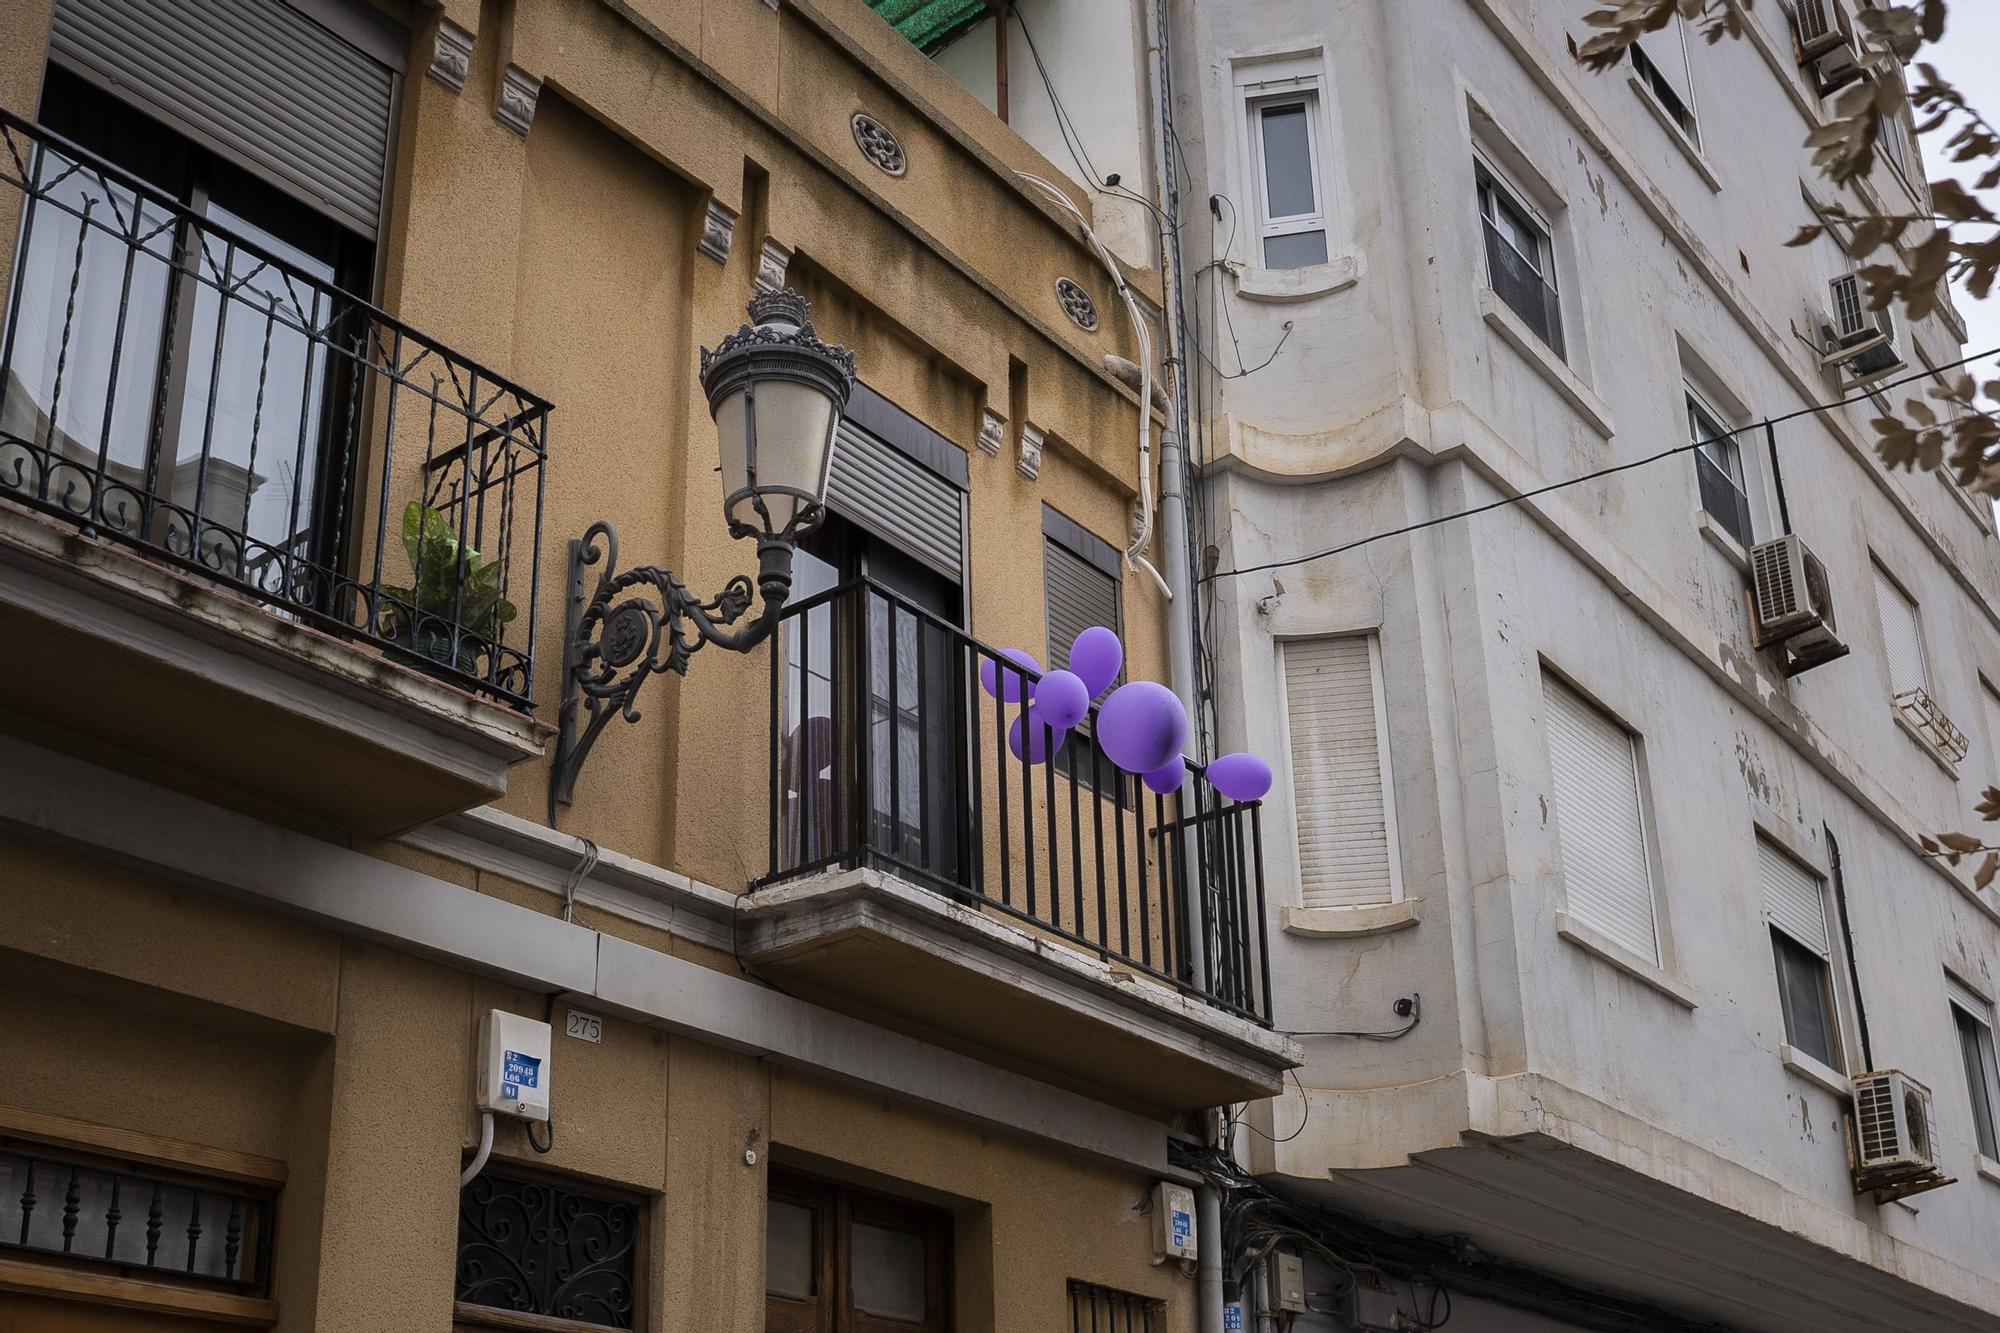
894	948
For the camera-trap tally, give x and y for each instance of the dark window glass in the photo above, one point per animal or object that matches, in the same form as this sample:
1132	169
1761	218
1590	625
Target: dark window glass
1297	249
1718	466
1288	164
1670	101
1520	263
1805	990
1982	1079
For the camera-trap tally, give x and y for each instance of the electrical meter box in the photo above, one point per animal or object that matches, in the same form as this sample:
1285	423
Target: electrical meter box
1173	1223
514	1065
1288	1283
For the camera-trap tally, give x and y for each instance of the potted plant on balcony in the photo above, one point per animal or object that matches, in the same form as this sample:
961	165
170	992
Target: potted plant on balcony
454	611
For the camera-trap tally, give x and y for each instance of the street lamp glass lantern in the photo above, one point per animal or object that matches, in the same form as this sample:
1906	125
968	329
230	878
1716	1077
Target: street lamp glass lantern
776	392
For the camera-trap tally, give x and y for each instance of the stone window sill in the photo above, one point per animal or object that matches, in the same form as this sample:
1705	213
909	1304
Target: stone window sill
1798	1063
1719	537
1987	1167
1602	948
1279	285
1517	335
1339	923
1689	149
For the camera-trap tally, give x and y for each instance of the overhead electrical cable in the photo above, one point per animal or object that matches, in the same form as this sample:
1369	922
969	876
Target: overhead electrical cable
1505	501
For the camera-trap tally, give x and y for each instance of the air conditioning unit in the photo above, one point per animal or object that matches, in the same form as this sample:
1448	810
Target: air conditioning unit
1892	1137
1929	722
1791	604
1829	47
1861	340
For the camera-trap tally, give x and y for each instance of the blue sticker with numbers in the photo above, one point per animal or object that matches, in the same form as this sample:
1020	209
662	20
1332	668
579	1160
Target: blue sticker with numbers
518	1071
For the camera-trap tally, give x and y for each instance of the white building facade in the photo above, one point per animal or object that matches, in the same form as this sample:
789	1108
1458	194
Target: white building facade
1659	902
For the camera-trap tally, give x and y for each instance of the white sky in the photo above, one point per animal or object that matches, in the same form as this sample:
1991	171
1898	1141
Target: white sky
1969	56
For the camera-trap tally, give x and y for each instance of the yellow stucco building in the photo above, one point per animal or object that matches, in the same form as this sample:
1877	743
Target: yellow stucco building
331	327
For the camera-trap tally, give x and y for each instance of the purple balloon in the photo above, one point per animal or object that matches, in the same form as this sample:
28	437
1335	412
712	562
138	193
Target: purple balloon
1240	776
1061	699
1141	726
1095	658
990	675
1041	740
1167	778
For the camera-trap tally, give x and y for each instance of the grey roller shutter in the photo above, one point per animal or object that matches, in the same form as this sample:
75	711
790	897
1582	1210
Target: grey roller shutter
1666	50
898	499
255	80
1080	596
1793	899
1600	827
1338	797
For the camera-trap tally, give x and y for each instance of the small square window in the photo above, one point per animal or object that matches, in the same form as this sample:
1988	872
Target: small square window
531	1245
1520	258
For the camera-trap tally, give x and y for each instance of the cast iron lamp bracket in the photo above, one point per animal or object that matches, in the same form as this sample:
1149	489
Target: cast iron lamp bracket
644	621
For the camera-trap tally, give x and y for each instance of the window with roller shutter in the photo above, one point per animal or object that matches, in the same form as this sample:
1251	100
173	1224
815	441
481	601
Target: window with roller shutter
1660	59
1340	772
1902	635
1802	950
1080	570
1600	820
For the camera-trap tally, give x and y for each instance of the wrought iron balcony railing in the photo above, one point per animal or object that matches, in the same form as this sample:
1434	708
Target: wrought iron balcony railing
886	753
185	382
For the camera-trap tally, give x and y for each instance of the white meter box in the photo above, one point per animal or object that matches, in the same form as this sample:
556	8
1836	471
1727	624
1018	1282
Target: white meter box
514	1065
1173	1223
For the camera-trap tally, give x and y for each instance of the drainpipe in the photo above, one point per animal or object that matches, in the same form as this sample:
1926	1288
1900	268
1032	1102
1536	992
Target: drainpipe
1208	1263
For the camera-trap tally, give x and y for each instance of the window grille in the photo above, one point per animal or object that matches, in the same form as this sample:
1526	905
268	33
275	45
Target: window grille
532	1246
1098	1309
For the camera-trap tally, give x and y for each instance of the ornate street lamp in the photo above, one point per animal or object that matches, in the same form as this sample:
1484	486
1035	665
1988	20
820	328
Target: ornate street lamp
776	392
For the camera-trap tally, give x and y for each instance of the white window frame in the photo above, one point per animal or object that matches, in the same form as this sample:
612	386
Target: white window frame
1963	999
1643	805
1548	263
1375	680
1837	997
1694	398
1645	69
1304	93
1265	77
1896	585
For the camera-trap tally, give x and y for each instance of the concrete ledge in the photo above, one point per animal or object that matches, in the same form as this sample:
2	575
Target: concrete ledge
164	664
1812	1071
879	942
1516	334
1987	1168
1282	285
1336	923
1598	945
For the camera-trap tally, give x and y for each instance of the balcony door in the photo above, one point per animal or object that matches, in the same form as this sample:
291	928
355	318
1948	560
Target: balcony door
177	357
872	697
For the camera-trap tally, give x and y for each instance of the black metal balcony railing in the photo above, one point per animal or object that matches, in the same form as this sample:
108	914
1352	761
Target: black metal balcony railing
185	382
885	752
75	1209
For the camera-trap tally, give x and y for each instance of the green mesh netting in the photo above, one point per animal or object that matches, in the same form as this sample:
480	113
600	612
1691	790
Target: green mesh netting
930	24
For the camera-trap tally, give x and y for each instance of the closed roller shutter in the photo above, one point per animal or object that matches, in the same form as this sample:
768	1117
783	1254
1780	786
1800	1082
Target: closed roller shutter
1346	855
256	80
1902	637
898	499
1080	596
1793	899
1600	828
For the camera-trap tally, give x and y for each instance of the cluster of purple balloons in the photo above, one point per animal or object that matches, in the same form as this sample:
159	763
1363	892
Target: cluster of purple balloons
1141	726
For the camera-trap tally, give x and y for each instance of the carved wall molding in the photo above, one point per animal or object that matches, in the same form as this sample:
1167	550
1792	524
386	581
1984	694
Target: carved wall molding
772	261
992	430
718	231
451	55
518	93
1076	303
878	143
1029	464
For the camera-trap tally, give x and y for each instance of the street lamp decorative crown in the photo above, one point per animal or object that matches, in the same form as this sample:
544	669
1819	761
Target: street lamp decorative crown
776	392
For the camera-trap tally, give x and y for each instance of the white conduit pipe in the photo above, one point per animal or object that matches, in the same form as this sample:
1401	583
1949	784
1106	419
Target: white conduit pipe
1144	535
484	1151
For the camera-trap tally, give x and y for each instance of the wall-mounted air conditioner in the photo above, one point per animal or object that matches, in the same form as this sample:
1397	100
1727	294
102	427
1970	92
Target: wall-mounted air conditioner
1829	46
1860	340
1891	1140
1929	722
1791	604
